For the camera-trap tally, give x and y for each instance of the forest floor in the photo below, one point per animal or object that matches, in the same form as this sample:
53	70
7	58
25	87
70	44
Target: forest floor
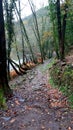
35	104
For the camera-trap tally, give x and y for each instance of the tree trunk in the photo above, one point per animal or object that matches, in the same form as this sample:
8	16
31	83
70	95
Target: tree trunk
61	28
3	60
63	31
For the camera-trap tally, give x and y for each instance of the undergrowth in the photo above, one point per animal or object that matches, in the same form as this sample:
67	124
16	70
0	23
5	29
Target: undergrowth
3	104
62	77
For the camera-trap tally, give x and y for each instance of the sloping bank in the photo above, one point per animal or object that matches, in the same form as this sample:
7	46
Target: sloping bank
61	74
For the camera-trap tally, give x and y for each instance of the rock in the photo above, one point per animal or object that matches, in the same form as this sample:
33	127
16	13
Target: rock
22	100
36	88
6	118
63	63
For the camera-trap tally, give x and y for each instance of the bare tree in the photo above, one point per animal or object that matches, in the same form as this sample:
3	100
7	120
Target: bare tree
36	29
24	33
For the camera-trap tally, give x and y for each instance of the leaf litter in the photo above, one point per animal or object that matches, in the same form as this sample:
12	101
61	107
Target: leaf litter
36	105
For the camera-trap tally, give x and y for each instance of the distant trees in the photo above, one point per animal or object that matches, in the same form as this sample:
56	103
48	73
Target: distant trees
13	8
3	59
39	30
36	29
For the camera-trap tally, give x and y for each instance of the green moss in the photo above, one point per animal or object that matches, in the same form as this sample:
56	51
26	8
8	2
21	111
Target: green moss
62	76
2	100
67	78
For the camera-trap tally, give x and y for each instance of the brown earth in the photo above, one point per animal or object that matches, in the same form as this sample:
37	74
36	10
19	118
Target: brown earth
36	105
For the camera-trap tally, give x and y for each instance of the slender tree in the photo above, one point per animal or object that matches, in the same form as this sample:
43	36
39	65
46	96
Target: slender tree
52	14
3	60
9	7
24	33
36	28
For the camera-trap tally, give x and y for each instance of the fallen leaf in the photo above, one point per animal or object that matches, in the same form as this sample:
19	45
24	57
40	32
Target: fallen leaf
13	120
69	128
15	112
12	105
42	127
17	102
28	108
33	120
3	123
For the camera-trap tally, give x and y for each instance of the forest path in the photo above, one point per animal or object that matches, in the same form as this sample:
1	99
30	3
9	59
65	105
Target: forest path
36	105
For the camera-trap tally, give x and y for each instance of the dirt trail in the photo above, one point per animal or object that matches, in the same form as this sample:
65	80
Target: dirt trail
36	106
